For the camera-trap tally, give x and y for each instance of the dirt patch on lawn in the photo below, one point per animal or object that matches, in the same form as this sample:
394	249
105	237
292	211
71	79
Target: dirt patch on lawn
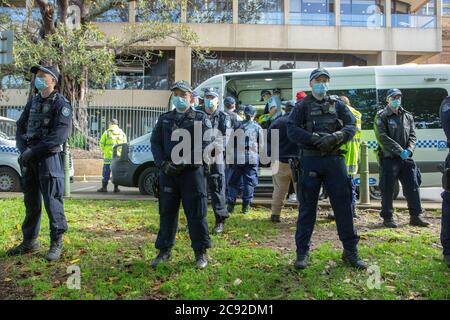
9	290
325	230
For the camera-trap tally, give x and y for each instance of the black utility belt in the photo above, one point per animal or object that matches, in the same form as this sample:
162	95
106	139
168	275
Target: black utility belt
318	153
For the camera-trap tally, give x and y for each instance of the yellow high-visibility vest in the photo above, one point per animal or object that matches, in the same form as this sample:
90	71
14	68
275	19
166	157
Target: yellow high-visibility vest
352	146
110	138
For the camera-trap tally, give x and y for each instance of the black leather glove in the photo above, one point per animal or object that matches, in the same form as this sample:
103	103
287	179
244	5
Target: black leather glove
26	156
170	169
330	142
315	137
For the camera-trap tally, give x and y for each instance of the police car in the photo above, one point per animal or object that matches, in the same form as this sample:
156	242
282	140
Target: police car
9	154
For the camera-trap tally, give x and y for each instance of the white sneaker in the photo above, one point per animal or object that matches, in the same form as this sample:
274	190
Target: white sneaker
292	198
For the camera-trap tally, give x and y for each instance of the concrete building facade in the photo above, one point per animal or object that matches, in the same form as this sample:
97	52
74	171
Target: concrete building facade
280	34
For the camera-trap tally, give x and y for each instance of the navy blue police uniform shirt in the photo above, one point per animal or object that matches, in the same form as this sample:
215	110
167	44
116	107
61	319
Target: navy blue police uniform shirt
445	117
59	127
287	148
160	140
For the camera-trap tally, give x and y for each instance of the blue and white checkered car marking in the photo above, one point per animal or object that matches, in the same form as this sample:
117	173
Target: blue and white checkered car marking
140	148
8	149
422	144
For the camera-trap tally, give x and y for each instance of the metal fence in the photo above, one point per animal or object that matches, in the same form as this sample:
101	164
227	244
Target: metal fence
135	121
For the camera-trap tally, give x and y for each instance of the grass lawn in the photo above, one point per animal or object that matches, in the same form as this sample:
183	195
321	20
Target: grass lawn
113	244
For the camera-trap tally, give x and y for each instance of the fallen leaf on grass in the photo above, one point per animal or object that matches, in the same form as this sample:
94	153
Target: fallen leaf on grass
237	282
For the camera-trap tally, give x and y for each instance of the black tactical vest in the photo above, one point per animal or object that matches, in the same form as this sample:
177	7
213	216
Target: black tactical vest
322	117
40	119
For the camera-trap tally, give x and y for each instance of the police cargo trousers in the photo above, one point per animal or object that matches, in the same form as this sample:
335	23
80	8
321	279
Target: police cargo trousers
445	222
245	176
332	173
217	186
281	177
44	179
409	175
189	189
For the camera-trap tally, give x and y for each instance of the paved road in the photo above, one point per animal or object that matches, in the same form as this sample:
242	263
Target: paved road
88	190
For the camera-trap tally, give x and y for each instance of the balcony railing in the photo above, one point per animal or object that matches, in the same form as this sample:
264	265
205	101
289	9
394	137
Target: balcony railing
413	21
363	20
312	19
261	18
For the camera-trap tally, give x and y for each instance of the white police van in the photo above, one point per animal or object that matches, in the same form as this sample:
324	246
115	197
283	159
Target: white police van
9	154
423	86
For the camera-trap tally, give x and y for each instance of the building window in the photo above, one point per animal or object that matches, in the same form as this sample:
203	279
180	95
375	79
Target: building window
215	11
312	12
423	17
261	12
156	11
156	73
362	13
446	7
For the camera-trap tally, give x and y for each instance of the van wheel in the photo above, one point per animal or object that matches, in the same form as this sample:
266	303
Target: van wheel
149	182
375	192
9	180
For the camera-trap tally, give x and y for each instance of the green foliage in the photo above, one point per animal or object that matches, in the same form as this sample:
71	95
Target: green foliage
78	141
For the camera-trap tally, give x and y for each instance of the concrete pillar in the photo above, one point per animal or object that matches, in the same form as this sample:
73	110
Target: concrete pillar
235	11
337	12
286	11
183	12
183	63
387	58
438	13
388	13
132	12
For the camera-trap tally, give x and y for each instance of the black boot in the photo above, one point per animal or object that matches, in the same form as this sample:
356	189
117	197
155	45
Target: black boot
447	260
116	188
230	207
56	246
246	208
302	261
417	221
103	188
353	259
201	259
27	246
331	216
220	225
275	218
163	256
389	223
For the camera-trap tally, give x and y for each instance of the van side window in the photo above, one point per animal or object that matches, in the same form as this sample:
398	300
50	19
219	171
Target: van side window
423	103
365	101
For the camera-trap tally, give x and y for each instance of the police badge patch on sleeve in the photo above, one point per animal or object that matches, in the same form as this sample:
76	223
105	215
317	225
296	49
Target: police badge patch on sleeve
66	111
446	107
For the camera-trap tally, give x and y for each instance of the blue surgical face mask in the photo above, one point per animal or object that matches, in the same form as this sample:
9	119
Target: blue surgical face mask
180	103
210	103
40	84
395	103
320	88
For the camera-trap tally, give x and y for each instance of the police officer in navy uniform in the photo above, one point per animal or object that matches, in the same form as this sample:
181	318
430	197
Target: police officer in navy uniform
445	222
181	180
41	130
230	109
221	122
320	124
243	150
396	136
